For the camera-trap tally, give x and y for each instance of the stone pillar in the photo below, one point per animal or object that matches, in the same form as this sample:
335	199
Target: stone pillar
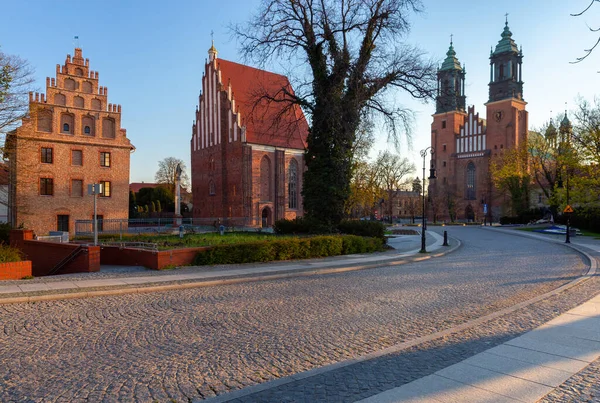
177	220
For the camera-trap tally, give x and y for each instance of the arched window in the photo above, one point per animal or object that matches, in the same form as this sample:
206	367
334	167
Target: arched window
78	102
265	179
88	124
470	181
67	123
96	104
44	120
86	87
78	72
293	185
70	84
59	99
108	128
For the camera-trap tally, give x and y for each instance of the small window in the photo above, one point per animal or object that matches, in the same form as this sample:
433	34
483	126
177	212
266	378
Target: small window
87	130
444	163
66	128
77	157
105	189
443	124
444	179
76	188
46	186
444	147
104	159
46	155
62	223
211	188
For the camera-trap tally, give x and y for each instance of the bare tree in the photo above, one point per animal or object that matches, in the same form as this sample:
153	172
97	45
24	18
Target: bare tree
166	173
355	54
391	172
590	50
16	81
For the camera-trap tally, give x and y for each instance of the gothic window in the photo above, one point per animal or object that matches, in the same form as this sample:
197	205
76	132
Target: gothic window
86	87
70	84
265	179
78	102
78	72
67	123
87	122
293	185
96	104
108	128
59	99
470	181
44	121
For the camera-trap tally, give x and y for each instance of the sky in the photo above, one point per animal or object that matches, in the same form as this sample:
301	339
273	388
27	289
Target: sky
151	54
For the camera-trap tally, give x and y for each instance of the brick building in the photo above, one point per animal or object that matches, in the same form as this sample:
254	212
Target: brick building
247	155
464	143
71	138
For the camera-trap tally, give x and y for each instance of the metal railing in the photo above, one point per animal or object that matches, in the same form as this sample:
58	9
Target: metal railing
50	238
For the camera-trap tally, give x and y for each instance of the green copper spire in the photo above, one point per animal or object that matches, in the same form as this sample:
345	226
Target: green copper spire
506	44
451	62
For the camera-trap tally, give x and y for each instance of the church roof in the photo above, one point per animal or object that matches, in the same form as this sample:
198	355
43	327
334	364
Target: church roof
451	62
506	44
267	122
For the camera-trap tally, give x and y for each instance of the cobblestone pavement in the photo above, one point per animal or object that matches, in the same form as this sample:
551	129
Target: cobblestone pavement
197	343
581	387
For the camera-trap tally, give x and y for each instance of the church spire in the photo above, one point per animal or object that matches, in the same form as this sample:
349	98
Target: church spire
212	52
506	68
451	83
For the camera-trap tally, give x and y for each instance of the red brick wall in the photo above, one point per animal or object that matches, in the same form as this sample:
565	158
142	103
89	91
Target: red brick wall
45	256
15	270
150	259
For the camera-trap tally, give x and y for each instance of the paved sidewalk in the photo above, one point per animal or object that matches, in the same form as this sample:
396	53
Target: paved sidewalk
406	249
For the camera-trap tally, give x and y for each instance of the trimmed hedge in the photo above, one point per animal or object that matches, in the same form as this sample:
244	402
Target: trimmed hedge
302	225
288	249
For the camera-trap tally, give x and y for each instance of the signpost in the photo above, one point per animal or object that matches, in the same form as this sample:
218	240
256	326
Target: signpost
94	190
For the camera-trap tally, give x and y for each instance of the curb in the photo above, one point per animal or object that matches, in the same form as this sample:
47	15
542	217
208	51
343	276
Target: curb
283	274
240	393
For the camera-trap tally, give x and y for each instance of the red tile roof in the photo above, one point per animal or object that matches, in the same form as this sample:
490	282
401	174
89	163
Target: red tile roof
268	123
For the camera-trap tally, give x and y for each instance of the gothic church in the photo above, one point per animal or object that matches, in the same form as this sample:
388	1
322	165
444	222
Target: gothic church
464	144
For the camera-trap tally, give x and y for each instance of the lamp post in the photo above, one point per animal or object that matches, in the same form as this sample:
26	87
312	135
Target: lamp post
431	176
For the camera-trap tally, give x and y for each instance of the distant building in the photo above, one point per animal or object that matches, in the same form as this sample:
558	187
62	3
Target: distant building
247	156
464	143
71	138
3	192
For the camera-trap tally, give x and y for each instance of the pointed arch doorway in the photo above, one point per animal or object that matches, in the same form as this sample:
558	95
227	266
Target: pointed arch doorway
266	217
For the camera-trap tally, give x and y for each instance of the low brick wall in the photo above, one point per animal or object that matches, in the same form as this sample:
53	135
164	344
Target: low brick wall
45	256
15	270
156	260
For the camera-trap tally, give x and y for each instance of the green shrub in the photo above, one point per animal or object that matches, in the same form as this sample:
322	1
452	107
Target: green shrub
374	229
288	249
5	233
301	225
9	254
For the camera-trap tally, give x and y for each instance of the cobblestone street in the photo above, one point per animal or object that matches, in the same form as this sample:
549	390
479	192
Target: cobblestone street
198	343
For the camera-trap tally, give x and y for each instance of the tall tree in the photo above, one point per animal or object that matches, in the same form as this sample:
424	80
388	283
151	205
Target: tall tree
510	174
166	173
16	81
354	52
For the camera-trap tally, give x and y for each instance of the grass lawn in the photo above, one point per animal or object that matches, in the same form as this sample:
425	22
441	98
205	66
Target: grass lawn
165	242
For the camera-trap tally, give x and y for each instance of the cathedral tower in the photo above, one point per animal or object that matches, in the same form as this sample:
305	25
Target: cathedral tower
451	84
506	79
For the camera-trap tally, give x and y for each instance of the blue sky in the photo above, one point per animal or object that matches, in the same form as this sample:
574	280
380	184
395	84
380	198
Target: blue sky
150	54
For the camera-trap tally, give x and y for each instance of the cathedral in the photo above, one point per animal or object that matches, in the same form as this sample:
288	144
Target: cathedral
464	144
247	147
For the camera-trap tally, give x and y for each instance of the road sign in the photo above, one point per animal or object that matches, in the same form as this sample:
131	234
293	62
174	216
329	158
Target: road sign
568	209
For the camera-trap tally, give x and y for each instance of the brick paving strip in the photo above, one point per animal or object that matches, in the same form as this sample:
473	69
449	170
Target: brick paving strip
72	289
363	377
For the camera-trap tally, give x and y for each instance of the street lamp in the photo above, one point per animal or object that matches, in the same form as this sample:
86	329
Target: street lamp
431	176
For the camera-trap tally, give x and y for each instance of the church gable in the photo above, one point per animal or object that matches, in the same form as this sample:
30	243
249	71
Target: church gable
471	140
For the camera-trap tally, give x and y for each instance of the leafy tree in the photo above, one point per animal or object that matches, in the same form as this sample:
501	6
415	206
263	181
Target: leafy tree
132	204
364	190
158	206
355	53
166	173
159	194
509	173
152	207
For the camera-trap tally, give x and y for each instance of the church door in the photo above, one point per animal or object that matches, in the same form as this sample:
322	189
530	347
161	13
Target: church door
266	217
469	213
